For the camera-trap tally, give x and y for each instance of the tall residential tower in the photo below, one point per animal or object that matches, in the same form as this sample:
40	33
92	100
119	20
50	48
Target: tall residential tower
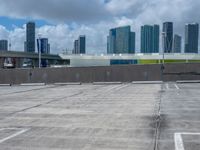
43	45
80	45
177	44
3	45
167	36
150	39
121	40
191	38
29	44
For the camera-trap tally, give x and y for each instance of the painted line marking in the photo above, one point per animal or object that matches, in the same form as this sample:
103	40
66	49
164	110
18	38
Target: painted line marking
167	86
177	87
13	135
178	140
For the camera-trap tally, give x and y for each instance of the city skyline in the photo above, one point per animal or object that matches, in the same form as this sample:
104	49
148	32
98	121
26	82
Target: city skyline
70	19
151	39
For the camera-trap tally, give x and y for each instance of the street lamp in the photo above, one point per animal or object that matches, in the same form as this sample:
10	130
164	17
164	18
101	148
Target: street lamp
9	44
39	49
164	44
163	53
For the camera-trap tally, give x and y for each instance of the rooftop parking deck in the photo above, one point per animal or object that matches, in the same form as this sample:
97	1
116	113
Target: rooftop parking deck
161	116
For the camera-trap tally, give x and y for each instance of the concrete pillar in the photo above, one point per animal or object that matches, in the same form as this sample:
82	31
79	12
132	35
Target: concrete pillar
52	62
35	62
18	62
1	62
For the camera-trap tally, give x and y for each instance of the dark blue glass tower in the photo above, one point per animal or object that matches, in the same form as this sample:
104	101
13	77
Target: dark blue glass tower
121	40
177	44
80	45
167	37
30	37
150	39
191	38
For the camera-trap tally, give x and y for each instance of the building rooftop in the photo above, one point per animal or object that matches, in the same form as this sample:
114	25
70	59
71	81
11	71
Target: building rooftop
157	56
162	116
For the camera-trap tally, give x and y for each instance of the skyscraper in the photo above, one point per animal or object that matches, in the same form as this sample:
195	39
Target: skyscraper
146	39
44	45
191	38
121	40
177	44
3	45
132	43
111	39
156	38
30	37
167	36
75	51
80	45
150	39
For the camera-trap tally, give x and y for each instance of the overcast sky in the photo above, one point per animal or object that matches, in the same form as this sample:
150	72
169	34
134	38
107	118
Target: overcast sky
62	21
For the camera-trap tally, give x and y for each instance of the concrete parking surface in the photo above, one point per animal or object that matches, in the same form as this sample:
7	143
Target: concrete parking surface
100	117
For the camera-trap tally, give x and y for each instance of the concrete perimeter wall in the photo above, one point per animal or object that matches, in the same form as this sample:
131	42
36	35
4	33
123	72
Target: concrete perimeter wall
123	73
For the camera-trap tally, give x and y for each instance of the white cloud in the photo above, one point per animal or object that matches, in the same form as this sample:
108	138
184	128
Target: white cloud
94	18
62	36
3	32
121	6
86	11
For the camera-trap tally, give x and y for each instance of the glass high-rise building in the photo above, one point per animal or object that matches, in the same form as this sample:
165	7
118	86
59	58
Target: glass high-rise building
75	50
177	44
80	45
150	39
30	37
191	38
121	40
111	39
156	38
132	43
3	45
167	36
44	45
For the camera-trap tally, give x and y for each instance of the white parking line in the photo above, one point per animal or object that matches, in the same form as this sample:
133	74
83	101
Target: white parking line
179	141
13	135
176	86
167	86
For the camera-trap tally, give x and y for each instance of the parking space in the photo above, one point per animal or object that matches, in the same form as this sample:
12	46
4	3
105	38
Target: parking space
99	117
180	114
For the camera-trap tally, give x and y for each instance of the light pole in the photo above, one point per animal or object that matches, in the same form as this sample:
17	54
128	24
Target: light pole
39	50
164	44
9	44
163	53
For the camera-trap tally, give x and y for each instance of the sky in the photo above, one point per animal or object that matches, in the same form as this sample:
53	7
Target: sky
62	21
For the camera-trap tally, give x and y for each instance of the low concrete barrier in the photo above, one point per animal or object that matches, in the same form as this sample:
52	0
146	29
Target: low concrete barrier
121	73
5	85
188	81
